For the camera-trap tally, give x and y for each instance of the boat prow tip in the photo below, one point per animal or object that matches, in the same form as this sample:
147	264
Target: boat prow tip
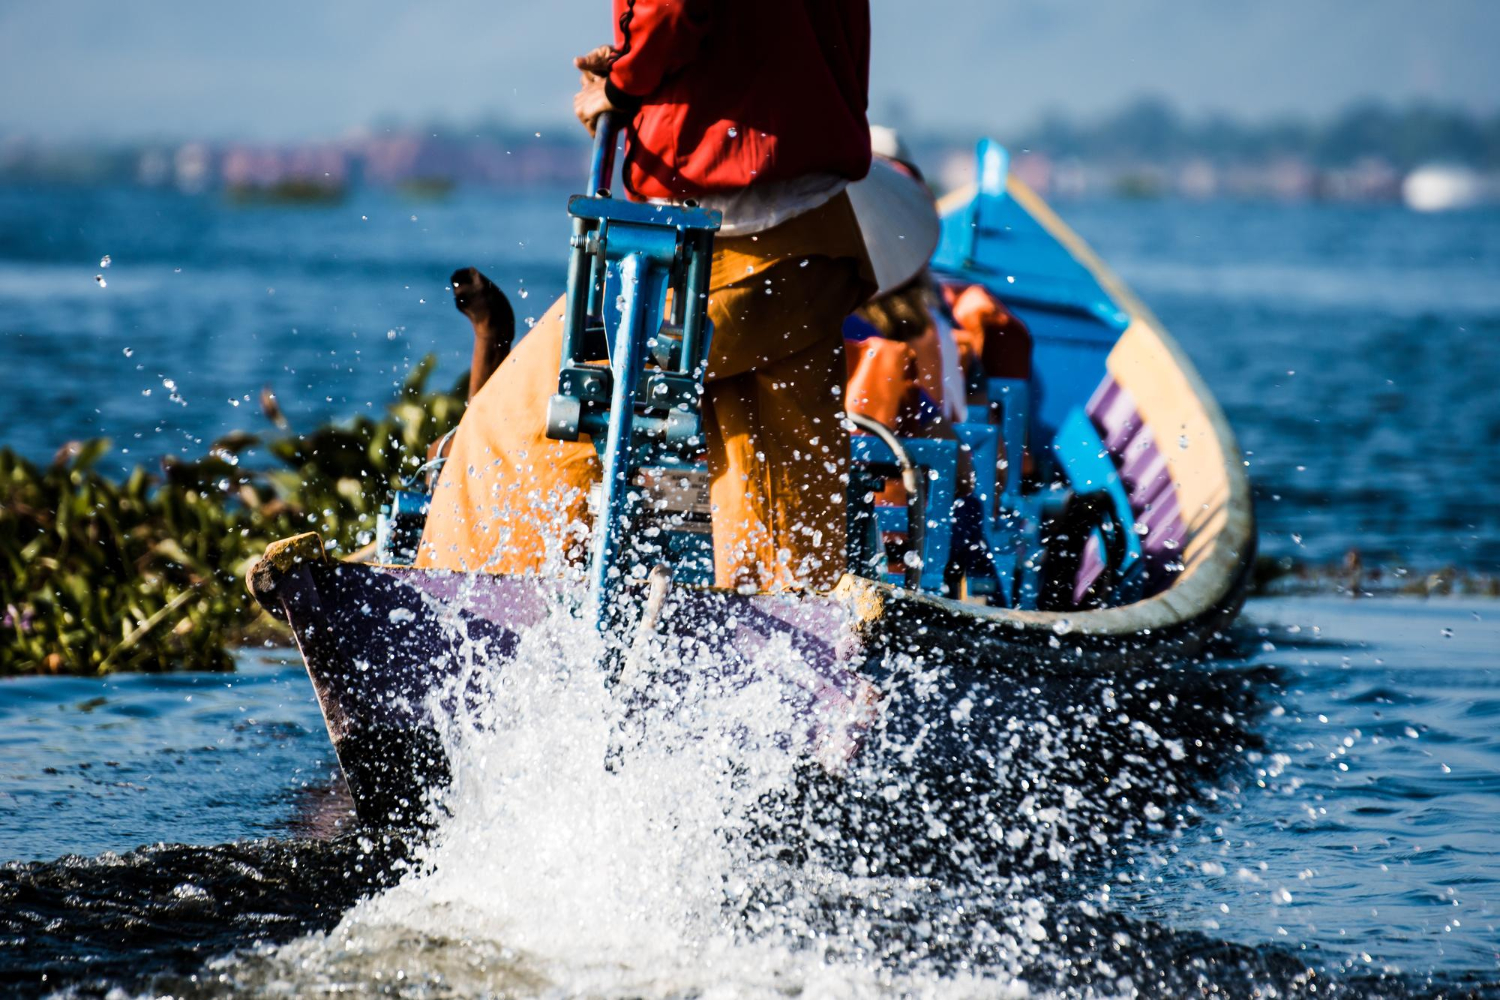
279	559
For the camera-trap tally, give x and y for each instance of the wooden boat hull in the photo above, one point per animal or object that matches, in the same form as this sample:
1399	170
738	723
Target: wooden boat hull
1097	346
395	653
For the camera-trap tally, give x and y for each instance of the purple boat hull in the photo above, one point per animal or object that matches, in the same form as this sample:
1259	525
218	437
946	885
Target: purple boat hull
387	649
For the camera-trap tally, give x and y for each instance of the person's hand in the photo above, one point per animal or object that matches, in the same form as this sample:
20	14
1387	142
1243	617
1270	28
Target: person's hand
595	63
590	102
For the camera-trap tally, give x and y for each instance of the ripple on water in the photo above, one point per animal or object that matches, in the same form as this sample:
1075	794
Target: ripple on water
1381	824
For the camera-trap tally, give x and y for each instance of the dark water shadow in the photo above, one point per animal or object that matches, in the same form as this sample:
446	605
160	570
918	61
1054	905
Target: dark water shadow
93	925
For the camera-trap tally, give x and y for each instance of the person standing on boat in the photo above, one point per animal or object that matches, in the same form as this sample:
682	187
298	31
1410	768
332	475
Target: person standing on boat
757	110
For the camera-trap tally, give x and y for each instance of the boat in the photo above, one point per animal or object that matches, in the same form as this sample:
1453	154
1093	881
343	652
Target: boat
1130	542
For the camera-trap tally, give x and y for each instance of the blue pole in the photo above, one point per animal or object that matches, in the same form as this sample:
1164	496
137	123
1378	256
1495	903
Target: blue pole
602	163
627	359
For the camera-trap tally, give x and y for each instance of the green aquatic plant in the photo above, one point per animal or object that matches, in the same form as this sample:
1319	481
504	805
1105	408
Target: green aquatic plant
146	572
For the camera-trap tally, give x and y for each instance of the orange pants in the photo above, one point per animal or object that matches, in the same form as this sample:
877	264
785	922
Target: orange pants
510	500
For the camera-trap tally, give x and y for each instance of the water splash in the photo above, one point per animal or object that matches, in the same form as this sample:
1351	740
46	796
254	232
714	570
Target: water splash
667	838
661	839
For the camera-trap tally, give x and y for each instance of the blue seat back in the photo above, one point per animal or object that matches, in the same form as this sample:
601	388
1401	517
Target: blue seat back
1084	459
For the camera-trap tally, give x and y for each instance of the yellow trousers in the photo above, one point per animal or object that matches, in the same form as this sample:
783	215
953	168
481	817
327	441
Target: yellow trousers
510	499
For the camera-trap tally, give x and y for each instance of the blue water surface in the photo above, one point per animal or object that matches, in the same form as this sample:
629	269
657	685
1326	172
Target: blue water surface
111	763
1355	349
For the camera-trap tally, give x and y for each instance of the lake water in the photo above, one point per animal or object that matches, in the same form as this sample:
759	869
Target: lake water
1356	350
1323	794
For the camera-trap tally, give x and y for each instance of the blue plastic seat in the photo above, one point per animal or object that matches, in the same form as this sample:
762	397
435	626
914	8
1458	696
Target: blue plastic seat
937	459
1091	472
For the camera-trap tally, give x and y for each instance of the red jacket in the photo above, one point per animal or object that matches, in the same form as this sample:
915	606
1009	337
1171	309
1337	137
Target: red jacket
728	92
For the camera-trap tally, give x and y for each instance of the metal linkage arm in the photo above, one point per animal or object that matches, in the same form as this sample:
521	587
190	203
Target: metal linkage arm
627	261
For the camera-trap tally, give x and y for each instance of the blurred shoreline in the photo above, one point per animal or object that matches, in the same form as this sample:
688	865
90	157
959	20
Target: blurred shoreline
1428	157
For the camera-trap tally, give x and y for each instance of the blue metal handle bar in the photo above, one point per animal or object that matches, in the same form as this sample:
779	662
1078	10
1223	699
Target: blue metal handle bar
697	286
629	356
602	162
584	283
633	415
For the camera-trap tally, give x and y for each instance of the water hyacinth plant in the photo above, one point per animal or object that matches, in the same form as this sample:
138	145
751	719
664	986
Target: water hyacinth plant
98	575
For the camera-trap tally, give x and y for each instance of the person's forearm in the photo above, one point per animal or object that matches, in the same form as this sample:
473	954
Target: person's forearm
493	320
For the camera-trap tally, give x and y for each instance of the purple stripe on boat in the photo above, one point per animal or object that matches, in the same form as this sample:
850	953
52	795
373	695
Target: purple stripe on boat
1089	569
1114	414
1148	482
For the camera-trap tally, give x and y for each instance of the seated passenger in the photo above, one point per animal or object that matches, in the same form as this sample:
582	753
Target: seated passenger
988	332
920	353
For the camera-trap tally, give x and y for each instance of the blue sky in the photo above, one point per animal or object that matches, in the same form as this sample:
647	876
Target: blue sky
72	69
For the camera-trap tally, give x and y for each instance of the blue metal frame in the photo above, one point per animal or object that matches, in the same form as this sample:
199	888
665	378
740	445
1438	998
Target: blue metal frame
625	259
938	461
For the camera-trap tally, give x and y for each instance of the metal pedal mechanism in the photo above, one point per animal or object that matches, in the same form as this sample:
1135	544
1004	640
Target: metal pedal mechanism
638	276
